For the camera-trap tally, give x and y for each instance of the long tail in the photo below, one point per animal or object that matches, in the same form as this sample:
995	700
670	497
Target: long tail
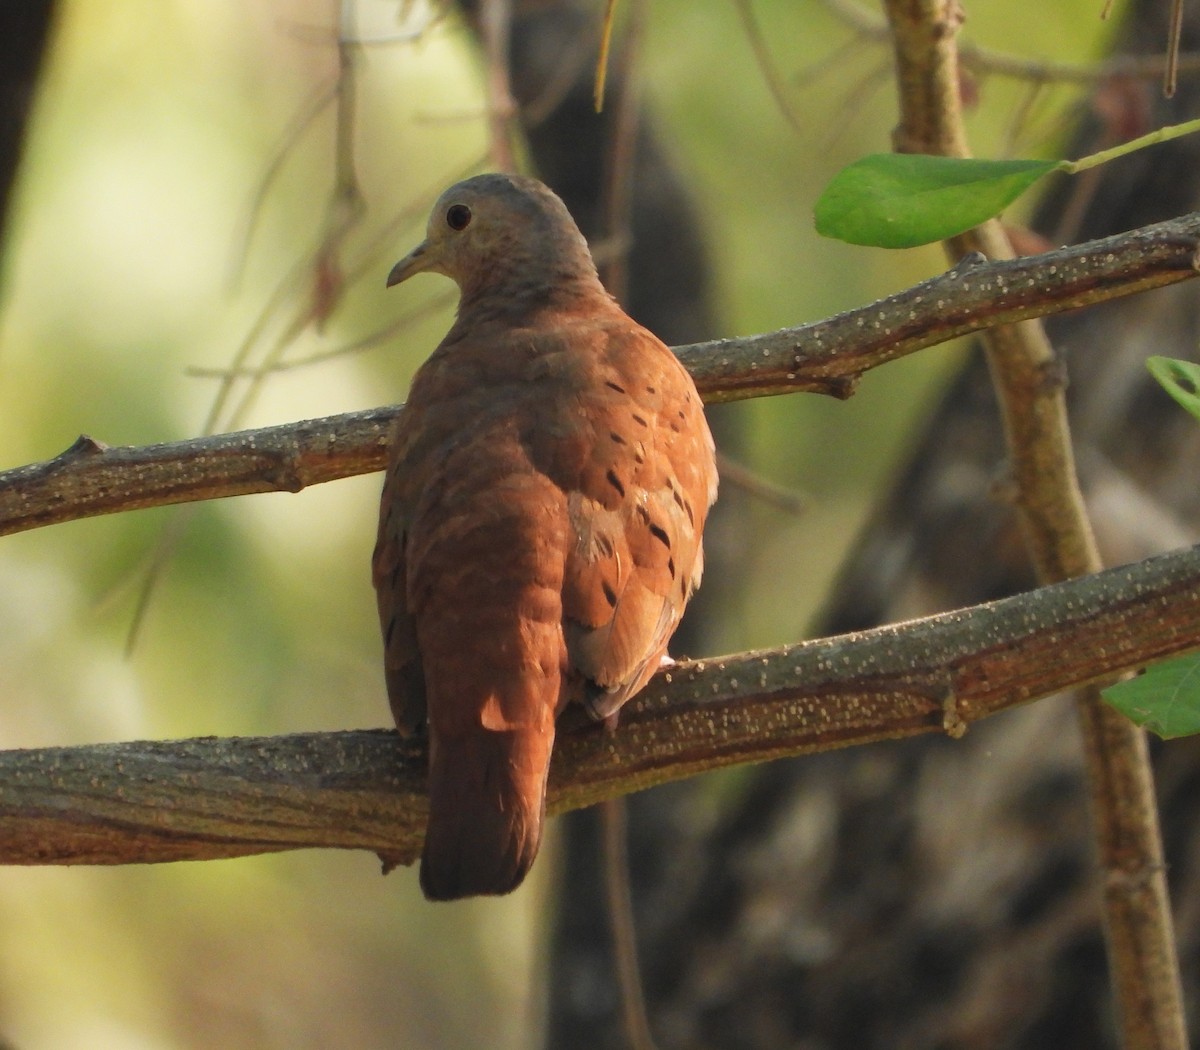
487	804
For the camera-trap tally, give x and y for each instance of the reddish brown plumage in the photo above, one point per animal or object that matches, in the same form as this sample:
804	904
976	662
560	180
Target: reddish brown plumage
540	527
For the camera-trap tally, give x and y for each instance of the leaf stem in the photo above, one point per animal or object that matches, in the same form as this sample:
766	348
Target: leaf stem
1171	131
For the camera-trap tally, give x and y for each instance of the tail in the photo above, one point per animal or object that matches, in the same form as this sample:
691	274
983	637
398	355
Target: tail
487	804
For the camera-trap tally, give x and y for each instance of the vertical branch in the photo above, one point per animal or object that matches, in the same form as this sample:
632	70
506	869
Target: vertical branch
619	162
1029	386
495	21
618	233
614	822
1174	34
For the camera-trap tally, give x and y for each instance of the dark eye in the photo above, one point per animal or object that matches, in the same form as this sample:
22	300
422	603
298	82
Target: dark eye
458	216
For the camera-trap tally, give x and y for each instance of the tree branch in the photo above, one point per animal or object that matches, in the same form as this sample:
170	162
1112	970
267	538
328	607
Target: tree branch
871	26
825	357
1030	387
210	798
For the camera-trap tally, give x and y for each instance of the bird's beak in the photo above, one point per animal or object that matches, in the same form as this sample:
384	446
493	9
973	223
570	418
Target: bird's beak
414	262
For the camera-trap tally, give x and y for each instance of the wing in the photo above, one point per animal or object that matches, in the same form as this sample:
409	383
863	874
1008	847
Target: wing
389	572
639	485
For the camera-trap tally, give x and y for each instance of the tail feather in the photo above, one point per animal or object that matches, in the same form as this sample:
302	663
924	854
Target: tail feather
487	804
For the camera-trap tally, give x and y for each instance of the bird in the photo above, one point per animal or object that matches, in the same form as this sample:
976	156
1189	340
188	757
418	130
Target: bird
541	521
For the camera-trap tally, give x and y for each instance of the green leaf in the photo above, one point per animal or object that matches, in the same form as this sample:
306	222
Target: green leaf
1164	699
1180	379
901	200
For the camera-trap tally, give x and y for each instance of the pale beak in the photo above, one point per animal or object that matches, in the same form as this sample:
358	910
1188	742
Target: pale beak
414	262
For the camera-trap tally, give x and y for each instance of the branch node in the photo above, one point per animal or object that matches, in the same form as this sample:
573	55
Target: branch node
1129	883
1052	376
968	262
84	446
1004	489
841	387
953	723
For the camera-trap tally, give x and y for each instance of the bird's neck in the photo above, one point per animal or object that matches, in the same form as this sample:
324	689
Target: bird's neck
528	296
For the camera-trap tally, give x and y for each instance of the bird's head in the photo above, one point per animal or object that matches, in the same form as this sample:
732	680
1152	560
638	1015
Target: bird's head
503	234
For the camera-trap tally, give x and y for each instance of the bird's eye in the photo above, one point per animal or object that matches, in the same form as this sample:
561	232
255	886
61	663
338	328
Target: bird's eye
458	216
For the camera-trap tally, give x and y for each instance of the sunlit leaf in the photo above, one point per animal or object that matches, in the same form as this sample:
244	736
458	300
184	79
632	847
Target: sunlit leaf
1164	699
901	200
1180	379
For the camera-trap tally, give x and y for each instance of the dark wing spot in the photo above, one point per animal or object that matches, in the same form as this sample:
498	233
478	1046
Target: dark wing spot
642	513
640	419
616	437
615	386
615	482
610	595
671	567
651	390
660	534
683	504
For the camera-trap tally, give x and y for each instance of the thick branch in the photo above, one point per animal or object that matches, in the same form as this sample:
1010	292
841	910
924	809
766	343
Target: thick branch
209	798
92	478
826	357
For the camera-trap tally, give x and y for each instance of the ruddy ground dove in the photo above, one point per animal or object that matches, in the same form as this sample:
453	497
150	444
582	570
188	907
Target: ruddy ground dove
540	527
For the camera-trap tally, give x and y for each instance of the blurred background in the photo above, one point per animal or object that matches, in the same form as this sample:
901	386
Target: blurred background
176	211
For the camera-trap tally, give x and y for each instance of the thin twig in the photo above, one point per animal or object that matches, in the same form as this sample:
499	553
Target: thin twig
495	19
766	65
319	100
1171	62
619	161
619	167
434	304
867	24
326	283
614	822
738	476
606	32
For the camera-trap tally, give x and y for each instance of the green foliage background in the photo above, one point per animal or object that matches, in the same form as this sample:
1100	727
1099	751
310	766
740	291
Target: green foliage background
155	125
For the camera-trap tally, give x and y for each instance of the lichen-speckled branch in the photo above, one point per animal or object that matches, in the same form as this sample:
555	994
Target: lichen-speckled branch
826	357
210	798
